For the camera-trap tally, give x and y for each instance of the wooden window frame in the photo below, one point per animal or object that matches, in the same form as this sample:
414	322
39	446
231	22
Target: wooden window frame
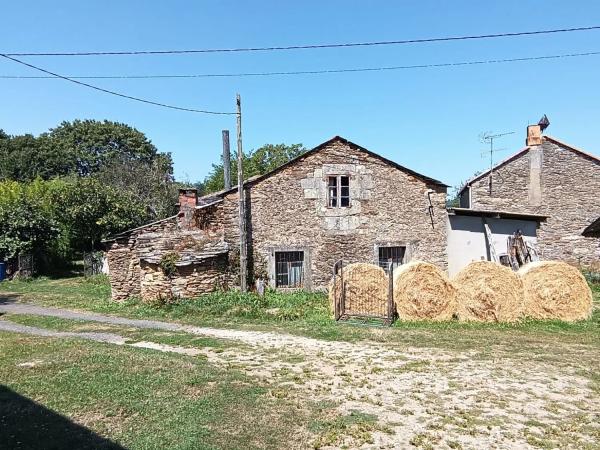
337	200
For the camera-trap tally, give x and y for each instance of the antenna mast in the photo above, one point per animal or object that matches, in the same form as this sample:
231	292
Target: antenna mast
489	138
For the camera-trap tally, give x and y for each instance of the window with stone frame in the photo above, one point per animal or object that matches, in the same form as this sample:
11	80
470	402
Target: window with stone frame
338	191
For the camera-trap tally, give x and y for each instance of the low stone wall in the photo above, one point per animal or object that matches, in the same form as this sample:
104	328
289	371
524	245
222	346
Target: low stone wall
124	275
190	281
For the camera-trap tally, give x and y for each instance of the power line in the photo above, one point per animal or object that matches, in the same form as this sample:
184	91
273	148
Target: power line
118	94
306	46
314	72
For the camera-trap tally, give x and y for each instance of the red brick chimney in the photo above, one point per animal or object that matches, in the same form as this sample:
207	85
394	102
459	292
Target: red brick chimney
188	199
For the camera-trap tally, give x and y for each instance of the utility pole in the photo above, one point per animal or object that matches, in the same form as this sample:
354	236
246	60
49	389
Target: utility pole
226	161
489	138
242	202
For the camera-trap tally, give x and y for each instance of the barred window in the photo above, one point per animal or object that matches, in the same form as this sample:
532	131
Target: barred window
391	255
289	269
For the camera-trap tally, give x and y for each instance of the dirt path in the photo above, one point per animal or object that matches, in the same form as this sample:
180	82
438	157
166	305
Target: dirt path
428	398
35	331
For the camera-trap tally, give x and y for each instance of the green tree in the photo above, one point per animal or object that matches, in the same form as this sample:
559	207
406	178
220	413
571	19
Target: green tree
257	162
89	211
27	222
25	158
96	144
117	154
149	184
81	147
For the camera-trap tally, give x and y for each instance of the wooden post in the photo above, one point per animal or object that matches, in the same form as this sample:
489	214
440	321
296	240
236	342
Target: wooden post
390	305
242	205
226	161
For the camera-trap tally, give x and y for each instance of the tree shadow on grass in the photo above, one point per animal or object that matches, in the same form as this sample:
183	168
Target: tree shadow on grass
25	424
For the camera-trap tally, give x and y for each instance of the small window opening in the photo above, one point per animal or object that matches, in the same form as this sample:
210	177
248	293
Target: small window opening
344	192
332	192
289	269
391	255
338	191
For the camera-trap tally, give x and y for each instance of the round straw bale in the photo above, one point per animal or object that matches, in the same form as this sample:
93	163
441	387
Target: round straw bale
366	289
555	290
489	292
423	292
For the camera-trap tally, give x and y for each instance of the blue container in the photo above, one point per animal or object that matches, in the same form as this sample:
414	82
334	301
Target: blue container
2	271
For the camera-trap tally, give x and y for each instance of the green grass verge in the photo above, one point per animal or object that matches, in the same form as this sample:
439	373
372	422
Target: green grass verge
304	314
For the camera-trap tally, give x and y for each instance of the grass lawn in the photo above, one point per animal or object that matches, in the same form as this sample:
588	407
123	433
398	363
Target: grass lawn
140	398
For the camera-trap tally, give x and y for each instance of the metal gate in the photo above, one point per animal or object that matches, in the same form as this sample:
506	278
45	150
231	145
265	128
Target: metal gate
25	266
92	263
357	296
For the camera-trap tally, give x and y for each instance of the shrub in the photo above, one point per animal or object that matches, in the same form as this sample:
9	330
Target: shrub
168	263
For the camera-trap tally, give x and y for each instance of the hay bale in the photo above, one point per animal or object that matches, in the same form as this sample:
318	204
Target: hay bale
423	292
366	289
489	292
332	294
555	290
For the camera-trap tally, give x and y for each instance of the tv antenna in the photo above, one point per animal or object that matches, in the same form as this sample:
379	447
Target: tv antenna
488	138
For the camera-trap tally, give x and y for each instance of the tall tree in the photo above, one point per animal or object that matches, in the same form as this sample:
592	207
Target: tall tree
116	154
97	144
149	184
25	158
257	162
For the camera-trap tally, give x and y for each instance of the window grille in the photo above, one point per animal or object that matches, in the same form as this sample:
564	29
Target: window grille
393	255
289	269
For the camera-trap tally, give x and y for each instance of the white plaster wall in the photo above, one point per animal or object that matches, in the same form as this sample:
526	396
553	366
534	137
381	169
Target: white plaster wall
467	242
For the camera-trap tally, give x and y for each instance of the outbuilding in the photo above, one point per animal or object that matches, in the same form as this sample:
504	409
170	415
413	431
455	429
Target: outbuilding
475	235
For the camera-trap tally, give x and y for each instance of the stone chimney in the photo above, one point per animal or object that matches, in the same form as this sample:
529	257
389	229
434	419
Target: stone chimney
226	161
534	135
188	199
534	141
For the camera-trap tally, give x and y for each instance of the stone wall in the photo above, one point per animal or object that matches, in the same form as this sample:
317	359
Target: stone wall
288	211
565	189
124	273
189	281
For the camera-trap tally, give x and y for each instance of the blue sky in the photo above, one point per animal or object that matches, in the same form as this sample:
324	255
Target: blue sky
426	119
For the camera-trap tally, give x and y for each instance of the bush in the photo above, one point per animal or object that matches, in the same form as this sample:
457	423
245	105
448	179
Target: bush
168	263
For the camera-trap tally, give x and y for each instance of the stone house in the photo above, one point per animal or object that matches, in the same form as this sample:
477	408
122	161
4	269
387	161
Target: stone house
336	201
179	256
552	179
